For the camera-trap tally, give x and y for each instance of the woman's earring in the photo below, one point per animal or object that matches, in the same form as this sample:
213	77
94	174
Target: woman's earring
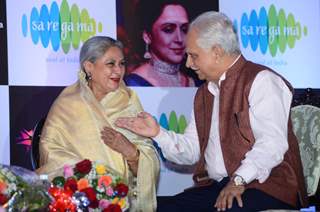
147	54
88	76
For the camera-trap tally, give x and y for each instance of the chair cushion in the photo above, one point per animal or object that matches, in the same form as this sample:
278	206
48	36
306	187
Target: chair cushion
306	125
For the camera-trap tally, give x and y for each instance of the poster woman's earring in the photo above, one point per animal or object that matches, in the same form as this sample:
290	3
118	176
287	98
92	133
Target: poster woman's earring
147	54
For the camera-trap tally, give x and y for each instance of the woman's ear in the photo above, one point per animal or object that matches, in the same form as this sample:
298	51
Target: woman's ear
87	66
146	37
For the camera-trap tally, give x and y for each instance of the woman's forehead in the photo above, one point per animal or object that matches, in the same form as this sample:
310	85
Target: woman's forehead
113	52
173	14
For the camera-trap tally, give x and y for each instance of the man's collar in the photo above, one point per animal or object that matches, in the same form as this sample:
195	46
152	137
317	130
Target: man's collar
236	65
232	66
234	62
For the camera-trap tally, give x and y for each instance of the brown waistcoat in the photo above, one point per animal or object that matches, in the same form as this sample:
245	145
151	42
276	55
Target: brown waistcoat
286	181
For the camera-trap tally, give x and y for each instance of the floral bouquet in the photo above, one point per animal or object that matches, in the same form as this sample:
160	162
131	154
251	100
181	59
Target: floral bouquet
89	185
9	184
22	190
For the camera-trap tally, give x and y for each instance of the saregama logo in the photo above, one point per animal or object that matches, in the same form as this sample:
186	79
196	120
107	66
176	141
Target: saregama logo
174	123
272	30
66	25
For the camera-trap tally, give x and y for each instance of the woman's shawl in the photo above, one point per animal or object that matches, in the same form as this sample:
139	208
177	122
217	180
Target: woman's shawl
72	133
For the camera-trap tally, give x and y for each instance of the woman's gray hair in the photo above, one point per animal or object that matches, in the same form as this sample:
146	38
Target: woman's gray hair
216	29
95	47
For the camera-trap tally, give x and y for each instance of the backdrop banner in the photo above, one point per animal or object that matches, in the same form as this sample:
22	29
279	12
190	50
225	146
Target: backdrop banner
44	38
281	35
28	105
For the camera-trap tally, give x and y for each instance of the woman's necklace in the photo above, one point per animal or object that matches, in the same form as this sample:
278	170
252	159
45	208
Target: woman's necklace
166	74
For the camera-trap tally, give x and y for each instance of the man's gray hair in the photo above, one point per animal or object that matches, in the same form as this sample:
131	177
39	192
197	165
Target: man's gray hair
95	47
216	29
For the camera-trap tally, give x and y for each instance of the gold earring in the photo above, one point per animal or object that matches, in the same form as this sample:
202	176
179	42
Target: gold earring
147	54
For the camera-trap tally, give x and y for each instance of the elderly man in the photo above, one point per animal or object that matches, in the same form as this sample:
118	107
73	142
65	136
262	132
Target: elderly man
240	135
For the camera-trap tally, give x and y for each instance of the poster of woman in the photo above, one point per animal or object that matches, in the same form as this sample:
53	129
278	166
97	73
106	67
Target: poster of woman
154	34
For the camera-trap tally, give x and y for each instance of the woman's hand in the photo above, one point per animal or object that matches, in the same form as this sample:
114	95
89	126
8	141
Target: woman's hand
144	124
118	142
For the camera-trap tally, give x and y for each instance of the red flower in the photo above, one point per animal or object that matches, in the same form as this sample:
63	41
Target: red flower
71	184
121	190
94	204
3	199
55	192
62	200
112	208
84	166
91	194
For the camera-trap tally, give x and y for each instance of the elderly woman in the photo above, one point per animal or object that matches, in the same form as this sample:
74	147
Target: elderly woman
80	123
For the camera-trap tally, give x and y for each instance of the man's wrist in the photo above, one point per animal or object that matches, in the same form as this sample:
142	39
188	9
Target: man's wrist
237	180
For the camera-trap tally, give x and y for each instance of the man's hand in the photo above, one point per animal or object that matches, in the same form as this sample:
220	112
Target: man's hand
226	196
144	124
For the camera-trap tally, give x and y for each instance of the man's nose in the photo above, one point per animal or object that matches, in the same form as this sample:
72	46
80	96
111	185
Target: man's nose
188	62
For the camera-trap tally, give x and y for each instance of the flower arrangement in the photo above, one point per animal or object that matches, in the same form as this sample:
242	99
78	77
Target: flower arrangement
89	185
8	184
22	190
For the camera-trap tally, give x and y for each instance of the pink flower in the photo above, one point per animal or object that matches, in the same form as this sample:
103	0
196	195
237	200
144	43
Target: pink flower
104	204
67	171
109	191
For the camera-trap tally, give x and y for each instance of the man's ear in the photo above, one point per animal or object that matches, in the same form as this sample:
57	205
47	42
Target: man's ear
146	37
217	52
